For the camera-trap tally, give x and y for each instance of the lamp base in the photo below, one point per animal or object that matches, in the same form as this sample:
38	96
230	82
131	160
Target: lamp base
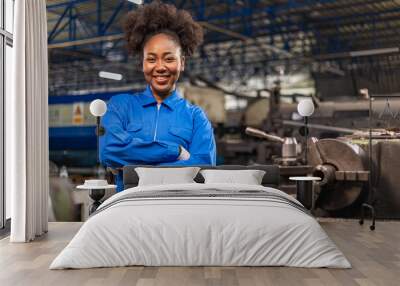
100	130
96	195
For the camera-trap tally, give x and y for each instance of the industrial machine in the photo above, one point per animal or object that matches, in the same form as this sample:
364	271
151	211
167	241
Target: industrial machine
345	114
290	148
343	169
341	165
385	169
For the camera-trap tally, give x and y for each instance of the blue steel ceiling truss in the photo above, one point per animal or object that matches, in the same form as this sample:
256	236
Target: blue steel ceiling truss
250	18
308	28
71	24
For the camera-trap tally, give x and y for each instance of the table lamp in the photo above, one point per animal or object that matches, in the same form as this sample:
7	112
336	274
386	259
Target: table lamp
98	108
306	108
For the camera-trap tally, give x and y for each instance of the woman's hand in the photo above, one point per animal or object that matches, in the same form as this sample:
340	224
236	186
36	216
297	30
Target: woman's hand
114	171
183	154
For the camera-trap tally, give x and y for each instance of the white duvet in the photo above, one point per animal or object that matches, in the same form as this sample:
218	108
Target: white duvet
183	231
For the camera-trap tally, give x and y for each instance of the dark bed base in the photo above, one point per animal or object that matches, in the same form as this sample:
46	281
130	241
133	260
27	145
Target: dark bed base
270	179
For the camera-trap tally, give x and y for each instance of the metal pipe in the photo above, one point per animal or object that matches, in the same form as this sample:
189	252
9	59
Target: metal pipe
98	138
244	38
320	126
261	134
86	41
369	145
306	135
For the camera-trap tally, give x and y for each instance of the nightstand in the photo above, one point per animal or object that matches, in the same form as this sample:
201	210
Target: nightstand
305	192
96	193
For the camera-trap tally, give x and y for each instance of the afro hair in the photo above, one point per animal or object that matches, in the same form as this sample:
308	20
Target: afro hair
157	17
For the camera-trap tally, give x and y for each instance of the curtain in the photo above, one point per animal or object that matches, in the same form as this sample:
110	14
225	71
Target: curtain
26	160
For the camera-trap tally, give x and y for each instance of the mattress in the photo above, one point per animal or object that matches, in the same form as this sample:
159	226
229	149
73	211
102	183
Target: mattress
201	225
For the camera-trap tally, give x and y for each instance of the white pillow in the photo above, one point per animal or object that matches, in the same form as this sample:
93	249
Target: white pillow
249	177
166	176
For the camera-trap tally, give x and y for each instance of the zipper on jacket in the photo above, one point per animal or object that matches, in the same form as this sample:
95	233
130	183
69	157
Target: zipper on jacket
155	130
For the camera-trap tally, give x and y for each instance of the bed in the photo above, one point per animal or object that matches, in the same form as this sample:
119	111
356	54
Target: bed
198	224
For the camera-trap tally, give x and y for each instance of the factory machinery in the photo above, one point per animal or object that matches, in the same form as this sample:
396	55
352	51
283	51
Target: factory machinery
342	163
345	167
348	114
352	173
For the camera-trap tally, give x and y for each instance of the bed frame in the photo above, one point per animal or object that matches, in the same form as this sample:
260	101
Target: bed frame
270	179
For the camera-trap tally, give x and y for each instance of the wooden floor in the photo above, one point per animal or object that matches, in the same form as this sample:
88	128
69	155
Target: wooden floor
375	257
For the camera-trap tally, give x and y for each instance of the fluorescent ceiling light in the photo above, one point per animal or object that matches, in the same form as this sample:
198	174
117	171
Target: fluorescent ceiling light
374	52
137	2
110	75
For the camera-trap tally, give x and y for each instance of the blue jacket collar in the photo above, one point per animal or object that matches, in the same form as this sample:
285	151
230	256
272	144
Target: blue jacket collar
148	98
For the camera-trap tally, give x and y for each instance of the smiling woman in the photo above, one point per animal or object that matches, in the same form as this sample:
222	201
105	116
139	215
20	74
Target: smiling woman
157	126
162	64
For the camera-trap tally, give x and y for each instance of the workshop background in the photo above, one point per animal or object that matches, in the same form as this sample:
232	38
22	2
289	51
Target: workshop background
259	59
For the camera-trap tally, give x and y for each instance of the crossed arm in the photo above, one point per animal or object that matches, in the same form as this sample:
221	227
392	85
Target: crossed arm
119	148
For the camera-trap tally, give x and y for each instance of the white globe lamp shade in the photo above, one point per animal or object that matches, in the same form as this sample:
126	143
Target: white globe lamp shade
305	107
98	107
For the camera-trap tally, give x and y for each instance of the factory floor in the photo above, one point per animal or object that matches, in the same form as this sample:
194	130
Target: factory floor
374	255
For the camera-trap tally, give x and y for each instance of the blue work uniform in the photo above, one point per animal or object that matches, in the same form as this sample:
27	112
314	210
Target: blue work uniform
138	132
